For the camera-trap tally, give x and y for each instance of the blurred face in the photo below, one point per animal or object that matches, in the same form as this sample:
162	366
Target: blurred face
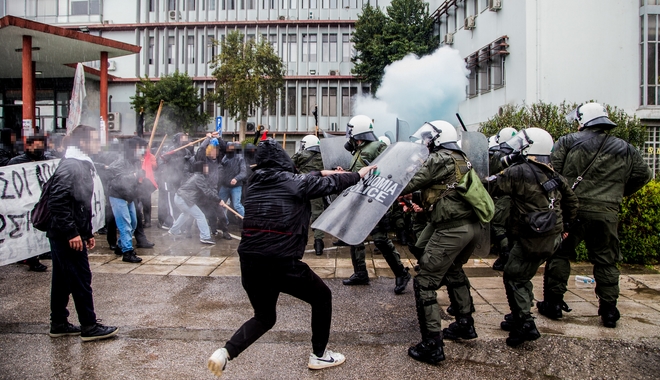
184	139
93	145
37	147
205	170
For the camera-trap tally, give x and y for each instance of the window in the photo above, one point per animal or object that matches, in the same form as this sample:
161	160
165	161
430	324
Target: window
329	99
272	40
209	104
171	5
85	7
289	106
211	4
346	47
151	5
331	4
482	70
307	100
292	4
329	44
151	50
170	48
313	4
190	5
309	48
651	151
268	4
649	60
191	49
228	4
210	48
487	68
289	47
347	95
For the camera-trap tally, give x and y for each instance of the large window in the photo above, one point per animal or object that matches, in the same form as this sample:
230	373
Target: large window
309	47
649	59
85	7
329	99
487	68
307	100
346	47
190	46
329	43
289	47
151	50
289	102
170	49
347	96
651	151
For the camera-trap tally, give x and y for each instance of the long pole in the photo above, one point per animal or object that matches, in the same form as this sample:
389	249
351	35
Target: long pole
161	145
231	209
153	130
185	146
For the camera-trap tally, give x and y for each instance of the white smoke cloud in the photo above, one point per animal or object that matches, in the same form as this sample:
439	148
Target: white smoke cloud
418	90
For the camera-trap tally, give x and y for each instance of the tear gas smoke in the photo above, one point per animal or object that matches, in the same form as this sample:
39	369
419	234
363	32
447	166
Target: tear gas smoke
417	90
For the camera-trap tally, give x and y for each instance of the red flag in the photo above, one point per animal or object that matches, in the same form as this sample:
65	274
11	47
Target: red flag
148	168
265	135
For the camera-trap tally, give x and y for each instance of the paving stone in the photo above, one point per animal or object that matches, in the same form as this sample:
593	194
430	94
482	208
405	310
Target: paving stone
213	261
226	270
169	260
320	263
325	272
193	270
344	263
116	268
101	258
161	269
385	272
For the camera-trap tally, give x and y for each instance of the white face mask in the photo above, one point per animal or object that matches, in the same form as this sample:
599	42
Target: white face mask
139	152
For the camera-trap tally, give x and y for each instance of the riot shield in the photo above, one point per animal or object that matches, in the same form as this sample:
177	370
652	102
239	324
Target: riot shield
334	154
358	209
390	136
403	131
475	146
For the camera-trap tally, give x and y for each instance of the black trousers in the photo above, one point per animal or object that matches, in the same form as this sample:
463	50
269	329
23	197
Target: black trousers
71	276
110	224
264	281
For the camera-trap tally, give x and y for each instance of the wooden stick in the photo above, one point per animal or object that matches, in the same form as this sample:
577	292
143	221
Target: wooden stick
153	130
185	146
161	145
231	209
284	142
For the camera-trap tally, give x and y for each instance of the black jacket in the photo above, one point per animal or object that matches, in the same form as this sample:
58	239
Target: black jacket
174	168
197	190
27	157
124	176
230	168
277	208
5	156
70	200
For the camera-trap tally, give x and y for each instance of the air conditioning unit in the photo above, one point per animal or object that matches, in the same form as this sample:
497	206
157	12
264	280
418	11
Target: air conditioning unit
494	5
249	127
112	65
174	15
470	22
107	21
311	15
114	123
334	72
281	18
449	39
333	127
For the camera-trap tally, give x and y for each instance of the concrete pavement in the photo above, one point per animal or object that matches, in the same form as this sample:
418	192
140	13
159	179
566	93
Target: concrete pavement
185	300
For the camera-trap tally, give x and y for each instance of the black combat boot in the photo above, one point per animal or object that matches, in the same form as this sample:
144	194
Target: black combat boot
318	246
131	257
340	243
552	309
609	314
463	328
401	281
522	332
508	323
501	260
428	350
360	277
401	237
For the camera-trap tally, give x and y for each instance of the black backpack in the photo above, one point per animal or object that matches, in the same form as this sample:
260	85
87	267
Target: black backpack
40	214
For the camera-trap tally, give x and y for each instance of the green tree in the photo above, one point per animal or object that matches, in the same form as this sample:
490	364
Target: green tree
182	103
552	118
381	39
249	75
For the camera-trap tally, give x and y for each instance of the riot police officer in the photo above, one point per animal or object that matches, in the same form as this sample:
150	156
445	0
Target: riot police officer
307	160
445	244
365	147
603	169
537	194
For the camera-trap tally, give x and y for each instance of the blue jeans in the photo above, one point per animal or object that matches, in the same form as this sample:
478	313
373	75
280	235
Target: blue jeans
126	220
188	212
235	194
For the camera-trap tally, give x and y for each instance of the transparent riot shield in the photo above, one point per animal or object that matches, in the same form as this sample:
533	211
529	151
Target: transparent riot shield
333	153
403	131
475	146
390	136
357	210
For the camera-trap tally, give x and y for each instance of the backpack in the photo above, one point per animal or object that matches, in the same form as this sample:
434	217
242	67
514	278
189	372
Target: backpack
40	214
469	186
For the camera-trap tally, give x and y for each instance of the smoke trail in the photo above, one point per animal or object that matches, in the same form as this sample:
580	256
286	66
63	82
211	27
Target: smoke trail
418	90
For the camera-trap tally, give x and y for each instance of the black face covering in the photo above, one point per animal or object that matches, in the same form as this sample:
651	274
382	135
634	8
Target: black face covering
36	152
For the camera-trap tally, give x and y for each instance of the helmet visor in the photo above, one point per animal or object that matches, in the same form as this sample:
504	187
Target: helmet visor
574	115
424	134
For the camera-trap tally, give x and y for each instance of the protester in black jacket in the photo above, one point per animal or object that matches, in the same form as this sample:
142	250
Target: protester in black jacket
275	231
126	173
7	145
70	235
173	169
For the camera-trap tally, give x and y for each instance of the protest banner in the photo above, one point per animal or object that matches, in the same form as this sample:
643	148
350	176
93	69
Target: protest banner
20	189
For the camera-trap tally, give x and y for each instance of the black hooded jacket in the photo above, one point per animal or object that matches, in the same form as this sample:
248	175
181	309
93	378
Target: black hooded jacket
277	208
125	173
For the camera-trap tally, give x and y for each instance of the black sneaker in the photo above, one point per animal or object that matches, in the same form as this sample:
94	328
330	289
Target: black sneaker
63	329
226	235
463	328
97	331
131	257
427	351
37	267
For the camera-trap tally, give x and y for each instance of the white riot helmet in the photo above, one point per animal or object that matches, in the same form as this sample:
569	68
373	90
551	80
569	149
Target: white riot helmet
505	134
309	142
591	115
436	132
361	127
539	142
385	139
492	141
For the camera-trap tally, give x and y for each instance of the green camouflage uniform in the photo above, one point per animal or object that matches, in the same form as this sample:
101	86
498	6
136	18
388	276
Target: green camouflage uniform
448	240
530	249
499	223
307	161
619	170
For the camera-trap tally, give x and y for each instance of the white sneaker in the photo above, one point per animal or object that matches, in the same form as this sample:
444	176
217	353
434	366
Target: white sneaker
218	361
329	359
207	241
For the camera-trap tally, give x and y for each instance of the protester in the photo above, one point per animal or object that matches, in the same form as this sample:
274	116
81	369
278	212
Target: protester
275	233
232	175
210	152
70	236
173	170
7	145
